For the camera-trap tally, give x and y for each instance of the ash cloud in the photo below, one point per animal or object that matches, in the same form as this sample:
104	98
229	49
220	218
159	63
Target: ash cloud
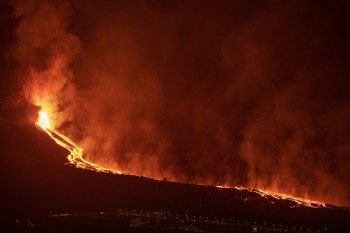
231	93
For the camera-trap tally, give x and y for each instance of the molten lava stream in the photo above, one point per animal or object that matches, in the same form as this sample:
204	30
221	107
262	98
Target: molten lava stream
76	153
76	158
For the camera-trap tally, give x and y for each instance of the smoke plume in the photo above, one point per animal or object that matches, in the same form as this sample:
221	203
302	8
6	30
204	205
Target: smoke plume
44	49
211	92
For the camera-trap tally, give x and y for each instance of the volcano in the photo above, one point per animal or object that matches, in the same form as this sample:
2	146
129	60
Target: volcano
243	106
37	185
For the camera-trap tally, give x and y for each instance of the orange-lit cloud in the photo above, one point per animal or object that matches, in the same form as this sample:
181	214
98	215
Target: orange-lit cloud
230	93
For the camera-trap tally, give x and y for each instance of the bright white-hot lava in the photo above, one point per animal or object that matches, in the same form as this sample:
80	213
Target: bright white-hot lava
43	120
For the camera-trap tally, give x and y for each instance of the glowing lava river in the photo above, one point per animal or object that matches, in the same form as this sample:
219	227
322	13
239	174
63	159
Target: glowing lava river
76	153
76	159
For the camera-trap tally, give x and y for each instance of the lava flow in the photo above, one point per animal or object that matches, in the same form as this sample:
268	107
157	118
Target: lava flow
271	196
75	157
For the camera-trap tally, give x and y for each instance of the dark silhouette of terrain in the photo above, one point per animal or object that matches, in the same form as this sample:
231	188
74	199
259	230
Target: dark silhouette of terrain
35	181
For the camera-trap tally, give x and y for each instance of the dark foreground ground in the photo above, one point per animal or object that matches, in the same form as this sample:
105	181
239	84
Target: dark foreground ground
41	194
145	221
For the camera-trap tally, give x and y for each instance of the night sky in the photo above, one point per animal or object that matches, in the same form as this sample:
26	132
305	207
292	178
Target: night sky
251	93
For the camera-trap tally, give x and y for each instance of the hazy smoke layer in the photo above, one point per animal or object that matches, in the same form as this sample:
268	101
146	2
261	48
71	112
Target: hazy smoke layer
216	92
